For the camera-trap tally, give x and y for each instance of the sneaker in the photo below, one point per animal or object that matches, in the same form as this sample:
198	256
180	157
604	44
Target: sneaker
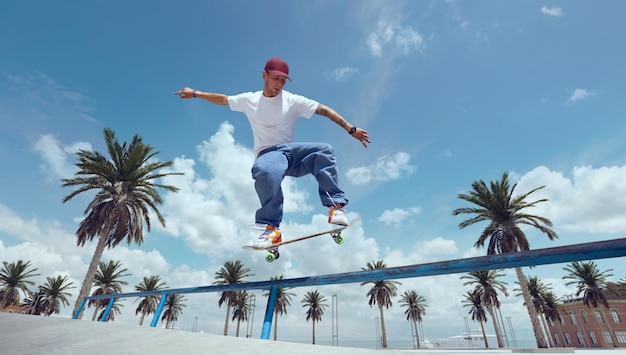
337	215
269	237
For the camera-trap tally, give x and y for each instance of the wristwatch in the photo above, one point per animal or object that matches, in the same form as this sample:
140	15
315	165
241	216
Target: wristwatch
352	130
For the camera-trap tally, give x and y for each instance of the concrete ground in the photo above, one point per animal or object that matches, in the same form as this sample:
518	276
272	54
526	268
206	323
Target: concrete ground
25	334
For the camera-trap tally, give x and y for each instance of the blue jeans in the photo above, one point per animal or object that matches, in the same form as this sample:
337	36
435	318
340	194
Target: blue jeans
294	159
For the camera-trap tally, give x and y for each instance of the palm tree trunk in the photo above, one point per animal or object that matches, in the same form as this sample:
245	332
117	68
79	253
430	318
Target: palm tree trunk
495	326
417	334
313	331
91	272
539	336
238	323
545	327
143	314
275	323
95	312
382	326
227	314
482	328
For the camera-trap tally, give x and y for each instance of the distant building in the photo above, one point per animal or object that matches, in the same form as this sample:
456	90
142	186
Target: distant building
583	327
22	308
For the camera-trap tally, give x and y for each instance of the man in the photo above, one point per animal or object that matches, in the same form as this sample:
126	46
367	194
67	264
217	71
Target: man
272	114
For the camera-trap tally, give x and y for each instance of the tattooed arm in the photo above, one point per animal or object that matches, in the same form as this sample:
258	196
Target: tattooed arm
188	93
359	134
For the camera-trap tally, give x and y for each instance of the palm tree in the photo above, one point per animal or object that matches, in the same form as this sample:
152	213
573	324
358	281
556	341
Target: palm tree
107	281
553	311
488	285
415	309
34	303
13	279
316	304
233	272
537	289
241	308
614	287
620	287
148	304
381	293
591	282
474	301
172	309
125	194
283	299
504	212
54	293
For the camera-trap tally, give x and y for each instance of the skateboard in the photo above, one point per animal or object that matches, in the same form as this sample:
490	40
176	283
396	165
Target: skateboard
272	250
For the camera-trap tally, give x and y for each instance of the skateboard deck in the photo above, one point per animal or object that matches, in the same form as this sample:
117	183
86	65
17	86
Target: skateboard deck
272	250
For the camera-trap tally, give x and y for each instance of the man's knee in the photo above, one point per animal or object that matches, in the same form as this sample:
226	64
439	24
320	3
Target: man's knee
326	148
268	174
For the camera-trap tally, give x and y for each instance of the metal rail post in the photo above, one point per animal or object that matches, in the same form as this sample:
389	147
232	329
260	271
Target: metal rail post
105	315
157	313
269	313
80	308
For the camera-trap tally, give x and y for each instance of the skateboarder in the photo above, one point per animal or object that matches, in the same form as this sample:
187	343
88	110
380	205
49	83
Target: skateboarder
272	114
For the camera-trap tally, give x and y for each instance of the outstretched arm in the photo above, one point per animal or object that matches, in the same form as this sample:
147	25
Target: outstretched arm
358	133
188	93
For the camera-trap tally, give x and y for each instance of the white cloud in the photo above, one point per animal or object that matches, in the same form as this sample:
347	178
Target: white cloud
375	47
397	216
457	15
578	95
588	201
142	263
393	35
552	11
440	246
409	40
47	98
55	156
75	147
344	73
384	169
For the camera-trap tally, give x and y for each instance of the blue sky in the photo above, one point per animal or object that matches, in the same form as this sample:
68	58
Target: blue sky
450	92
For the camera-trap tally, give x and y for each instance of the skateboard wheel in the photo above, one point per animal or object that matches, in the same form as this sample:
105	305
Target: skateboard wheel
338	239
272	255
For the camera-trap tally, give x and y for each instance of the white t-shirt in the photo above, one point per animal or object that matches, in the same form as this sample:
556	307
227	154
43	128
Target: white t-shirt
273	119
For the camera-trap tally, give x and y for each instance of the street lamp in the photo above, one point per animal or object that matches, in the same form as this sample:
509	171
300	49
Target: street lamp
378	337
335	320
252	304
194	327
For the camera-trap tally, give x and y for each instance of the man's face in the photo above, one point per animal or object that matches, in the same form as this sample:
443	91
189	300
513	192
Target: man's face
273	84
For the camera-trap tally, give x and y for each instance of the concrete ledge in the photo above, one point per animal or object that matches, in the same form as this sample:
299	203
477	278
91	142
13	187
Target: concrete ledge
545	351
27	334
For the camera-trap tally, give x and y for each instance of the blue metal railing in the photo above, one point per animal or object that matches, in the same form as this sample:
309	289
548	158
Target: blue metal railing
555	255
